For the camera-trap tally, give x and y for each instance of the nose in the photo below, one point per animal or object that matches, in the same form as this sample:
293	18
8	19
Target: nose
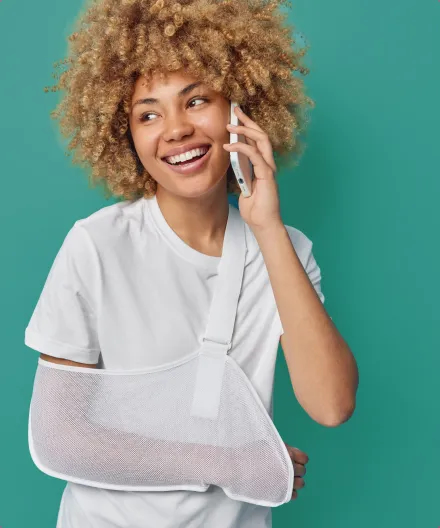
177	126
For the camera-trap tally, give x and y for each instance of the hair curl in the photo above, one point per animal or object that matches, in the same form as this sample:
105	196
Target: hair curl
240	48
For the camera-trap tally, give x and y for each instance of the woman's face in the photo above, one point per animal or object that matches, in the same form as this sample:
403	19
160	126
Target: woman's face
177	113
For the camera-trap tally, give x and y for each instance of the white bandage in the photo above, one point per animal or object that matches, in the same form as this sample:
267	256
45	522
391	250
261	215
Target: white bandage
133	430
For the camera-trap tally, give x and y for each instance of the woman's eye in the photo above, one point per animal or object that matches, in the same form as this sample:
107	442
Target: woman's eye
198	99
143	117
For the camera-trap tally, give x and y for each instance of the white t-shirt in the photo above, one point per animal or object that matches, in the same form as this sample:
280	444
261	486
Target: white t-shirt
124	291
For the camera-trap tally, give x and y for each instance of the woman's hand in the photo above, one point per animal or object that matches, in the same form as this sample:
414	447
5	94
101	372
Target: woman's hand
261	210
299	460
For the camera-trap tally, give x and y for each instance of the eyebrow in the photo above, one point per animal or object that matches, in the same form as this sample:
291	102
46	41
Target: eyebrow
184	91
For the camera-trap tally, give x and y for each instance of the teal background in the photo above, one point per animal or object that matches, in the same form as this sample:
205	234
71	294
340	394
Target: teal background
365	192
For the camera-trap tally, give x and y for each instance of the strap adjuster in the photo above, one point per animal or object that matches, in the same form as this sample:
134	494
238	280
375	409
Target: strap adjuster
215	348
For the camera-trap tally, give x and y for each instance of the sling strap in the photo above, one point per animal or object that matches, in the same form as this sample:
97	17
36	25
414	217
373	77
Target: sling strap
218	337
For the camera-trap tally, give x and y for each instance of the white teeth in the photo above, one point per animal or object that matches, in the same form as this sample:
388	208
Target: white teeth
187	155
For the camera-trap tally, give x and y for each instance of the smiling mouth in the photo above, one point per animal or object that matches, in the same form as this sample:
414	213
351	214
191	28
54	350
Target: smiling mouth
187	162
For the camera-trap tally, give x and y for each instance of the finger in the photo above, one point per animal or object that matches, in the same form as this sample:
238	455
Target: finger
299	470
298	483
294	494
246	120
260	139
254	155
298	455
247	139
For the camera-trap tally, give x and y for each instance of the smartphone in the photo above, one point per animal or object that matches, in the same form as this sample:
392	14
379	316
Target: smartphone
241	164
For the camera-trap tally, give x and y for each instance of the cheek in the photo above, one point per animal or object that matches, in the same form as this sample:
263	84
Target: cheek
146	144
213	126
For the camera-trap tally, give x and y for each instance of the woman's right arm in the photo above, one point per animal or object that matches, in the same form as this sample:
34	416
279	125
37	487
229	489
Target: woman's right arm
63	361
86	446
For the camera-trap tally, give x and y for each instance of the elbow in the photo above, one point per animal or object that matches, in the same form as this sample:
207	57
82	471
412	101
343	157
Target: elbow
347	404
338	418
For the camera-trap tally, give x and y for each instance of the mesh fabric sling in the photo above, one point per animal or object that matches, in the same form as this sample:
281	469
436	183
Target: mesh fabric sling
180	426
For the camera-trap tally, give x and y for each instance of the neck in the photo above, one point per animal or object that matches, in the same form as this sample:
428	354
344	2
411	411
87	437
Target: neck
200	222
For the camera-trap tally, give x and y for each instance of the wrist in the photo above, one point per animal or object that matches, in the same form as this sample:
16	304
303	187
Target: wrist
269	230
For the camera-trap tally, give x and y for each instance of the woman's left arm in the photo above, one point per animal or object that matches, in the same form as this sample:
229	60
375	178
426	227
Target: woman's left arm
322	368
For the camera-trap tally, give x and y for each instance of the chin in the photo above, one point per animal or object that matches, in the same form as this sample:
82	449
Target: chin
197	186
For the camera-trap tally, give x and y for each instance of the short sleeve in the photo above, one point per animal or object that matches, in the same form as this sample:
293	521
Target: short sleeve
63	323
303	247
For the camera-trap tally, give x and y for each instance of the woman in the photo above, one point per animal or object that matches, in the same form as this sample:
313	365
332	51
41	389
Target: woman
132	283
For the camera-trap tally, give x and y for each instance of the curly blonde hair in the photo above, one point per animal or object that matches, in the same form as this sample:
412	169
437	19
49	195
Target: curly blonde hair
240	48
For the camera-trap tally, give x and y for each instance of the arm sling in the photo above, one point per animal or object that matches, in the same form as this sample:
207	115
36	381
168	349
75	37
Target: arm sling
183	425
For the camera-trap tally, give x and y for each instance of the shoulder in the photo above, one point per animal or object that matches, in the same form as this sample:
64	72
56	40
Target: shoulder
106	225
92	237
303	246
110	216
300	241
